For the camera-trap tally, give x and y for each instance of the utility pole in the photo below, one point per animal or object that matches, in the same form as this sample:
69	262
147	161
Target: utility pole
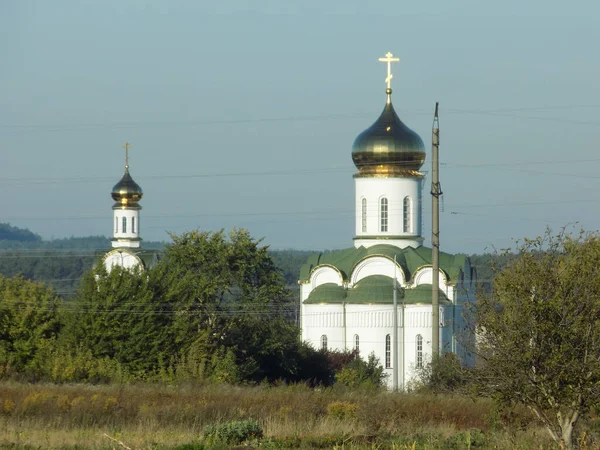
436	192
395	334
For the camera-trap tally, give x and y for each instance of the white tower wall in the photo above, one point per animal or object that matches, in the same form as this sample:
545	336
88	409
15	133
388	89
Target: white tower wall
403	225
130	235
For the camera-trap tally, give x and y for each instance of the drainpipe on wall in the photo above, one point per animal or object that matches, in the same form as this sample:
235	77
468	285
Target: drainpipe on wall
344	324
403	342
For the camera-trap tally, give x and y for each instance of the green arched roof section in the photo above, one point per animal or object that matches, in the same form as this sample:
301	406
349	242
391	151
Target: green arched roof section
373	289
377	289
410	260
422	294
327	293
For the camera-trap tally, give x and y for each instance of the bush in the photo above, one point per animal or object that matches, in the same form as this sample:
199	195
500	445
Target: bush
442	375
362	373
234	432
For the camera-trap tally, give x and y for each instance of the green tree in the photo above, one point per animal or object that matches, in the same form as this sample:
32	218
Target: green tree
213	283
116	316
539	331
29	325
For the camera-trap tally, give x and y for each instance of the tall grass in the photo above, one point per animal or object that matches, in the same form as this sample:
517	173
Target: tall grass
160	416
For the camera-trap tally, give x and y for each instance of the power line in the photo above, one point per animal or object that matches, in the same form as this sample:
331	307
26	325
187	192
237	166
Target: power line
502	112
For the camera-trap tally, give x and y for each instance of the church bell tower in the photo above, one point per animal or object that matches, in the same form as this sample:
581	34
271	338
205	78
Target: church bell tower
126	209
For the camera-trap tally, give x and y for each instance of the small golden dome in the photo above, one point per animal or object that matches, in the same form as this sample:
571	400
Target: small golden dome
126	193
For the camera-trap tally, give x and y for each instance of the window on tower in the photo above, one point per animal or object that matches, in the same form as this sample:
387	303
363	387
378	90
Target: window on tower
356	343
133	224
419	359
364	215
124	228
383	212
407	215
116	224
388	351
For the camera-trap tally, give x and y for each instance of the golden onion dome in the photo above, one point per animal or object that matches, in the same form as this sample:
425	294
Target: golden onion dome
388	147
126	193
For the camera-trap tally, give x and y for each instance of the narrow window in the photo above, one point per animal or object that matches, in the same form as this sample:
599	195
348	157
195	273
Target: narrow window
364	215
124	225
116	224
388	351
133	224
384	214
407	215
419	351
324	342
356	343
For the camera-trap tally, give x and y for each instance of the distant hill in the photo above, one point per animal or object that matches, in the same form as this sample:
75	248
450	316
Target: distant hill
15	234
59	263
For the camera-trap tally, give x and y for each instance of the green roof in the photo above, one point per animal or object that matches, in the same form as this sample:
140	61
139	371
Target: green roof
409	259
373	289
327	293
422	294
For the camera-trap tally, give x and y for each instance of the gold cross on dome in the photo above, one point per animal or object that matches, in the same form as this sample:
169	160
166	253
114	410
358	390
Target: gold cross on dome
127	146
389	60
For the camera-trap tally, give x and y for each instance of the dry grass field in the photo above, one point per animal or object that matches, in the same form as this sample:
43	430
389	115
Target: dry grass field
174	417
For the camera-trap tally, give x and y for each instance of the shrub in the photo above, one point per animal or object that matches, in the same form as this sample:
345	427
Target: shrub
362	373
234	432
442	375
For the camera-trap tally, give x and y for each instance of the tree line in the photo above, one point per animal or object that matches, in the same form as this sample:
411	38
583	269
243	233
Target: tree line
214	308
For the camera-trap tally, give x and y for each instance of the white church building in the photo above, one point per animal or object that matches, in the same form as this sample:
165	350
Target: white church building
346	296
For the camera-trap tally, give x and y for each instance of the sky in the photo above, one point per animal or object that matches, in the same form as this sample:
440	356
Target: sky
243	114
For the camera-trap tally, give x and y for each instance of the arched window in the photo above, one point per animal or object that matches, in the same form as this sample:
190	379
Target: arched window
364	215
407	215
324	342
419	359
116	224
388	351
133	224
356	343
383	214
124	228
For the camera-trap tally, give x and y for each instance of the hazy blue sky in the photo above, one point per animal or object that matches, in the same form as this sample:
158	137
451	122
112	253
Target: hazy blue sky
243	113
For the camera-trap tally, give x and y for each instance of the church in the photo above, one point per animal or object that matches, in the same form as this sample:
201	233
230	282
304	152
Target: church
126	242
346	296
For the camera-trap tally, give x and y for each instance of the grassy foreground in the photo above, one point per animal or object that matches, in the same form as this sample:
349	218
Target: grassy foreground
167	417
